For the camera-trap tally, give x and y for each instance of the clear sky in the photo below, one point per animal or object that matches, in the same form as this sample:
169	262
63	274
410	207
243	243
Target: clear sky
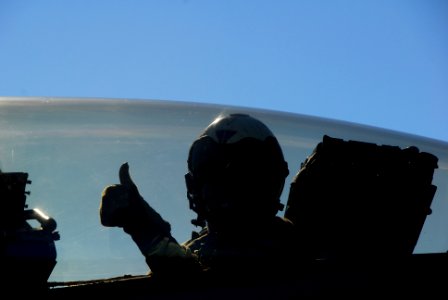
375	62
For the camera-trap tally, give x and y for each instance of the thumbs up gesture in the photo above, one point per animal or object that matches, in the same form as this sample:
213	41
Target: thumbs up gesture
122	206
117	199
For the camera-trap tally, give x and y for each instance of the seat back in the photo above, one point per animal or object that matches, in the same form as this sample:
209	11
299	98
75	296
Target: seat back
356	199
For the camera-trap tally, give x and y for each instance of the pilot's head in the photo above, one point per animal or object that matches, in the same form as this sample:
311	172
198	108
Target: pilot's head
236	173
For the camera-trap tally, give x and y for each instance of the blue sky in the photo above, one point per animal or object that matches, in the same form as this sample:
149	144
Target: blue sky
382	63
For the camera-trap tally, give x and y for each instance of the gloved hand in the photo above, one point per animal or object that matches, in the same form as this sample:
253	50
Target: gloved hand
123	206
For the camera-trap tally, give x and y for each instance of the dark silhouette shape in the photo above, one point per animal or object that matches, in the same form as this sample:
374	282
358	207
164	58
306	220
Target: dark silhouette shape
235	179
355	200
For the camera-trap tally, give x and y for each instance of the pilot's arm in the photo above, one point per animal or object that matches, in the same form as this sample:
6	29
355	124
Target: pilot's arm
123	206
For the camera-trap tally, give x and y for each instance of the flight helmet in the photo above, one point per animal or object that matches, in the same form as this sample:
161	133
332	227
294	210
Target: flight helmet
236	171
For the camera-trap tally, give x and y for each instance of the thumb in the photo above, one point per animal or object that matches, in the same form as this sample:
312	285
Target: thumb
126	180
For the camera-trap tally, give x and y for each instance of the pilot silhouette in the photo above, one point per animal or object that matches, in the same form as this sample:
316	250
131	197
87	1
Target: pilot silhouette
236	174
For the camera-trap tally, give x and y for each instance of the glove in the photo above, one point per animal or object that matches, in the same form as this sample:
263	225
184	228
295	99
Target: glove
123	206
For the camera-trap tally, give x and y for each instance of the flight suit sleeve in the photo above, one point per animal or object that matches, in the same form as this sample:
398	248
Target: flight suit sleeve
164	255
